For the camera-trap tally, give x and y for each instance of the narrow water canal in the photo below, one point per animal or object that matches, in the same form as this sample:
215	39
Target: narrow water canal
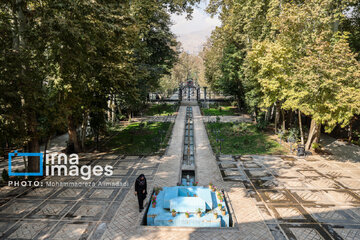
188	163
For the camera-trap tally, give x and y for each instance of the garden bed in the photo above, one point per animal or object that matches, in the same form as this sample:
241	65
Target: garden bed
147	138
241	139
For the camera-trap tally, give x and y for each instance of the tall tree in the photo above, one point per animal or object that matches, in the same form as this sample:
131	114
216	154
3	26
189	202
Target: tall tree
279	41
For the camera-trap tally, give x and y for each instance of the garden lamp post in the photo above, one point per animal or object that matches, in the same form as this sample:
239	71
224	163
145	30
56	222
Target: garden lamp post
205	94
291	140
221	140
281	133
160	135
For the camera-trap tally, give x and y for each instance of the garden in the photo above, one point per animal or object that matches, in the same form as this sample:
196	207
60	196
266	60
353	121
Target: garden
140	138
241	139
161	109
223	109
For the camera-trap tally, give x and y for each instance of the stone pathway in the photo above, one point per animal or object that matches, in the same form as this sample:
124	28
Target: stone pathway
170	118
341	150
242	118
71	212
309	198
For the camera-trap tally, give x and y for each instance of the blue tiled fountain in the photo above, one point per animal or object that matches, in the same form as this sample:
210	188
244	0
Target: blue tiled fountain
187	199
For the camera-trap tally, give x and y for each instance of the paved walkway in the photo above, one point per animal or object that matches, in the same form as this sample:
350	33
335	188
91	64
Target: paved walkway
170	118
72	212
341	150
242	118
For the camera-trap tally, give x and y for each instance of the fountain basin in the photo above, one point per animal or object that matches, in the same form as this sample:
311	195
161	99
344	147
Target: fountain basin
184	199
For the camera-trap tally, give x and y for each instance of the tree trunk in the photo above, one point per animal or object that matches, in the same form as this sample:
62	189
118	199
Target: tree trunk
47	143
73	139
350	131
33	144
97	140
267	114
33	162
256	115
109	117
277	117
283	124
25	164
314	134
20	22
300	128
290	117
113	110
83	130
272	112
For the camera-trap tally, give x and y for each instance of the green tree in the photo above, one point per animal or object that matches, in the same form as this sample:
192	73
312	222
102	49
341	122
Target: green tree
285	49
326	86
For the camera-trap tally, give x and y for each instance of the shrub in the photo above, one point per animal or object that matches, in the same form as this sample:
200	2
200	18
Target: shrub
293	133
316	146
261	124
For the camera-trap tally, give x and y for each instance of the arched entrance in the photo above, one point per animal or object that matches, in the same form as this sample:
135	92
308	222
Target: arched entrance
189	89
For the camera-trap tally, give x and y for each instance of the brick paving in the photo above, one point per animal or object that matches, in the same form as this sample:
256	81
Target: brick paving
269	197
71	213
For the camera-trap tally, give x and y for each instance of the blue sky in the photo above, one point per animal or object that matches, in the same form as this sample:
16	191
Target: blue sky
193	33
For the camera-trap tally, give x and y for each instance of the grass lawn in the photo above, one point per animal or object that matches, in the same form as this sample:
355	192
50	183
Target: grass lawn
241	139
161	109
140	139
220	111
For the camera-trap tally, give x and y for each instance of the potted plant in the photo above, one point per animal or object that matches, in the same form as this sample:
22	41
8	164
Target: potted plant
198	212
223	211
153	203
210	185
157	190
215	215
220	206
173	212
187	215
195	183
195	195
213	189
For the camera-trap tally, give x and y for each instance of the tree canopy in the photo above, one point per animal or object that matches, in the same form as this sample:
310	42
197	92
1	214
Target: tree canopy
62	62
297	55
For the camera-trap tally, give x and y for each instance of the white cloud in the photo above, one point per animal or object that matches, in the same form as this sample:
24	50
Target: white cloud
193	33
